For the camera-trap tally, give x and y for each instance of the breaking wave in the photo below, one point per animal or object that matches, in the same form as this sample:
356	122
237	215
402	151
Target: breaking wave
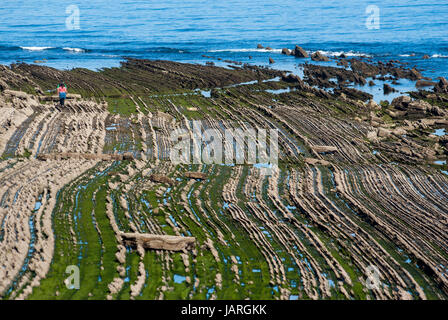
36	48
246	50
346	53
74	49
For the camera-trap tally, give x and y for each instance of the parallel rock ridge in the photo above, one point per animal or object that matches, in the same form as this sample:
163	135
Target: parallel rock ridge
161	242
360	186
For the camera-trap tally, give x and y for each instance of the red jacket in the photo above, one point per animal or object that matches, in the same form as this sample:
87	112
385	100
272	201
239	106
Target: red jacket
62	89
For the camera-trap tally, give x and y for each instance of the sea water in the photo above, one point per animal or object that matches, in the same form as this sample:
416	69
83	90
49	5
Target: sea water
43	32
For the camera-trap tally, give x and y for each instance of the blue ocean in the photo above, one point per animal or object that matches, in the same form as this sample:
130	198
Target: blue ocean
99	34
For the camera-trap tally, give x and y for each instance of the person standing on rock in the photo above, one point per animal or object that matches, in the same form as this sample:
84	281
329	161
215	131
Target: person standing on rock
62	91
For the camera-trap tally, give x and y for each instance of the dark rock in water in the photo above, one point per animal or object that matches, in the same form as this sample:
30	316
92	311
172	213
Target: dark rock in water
415	74
210	63
271	61
250	57
300	53
286	51
425	57
317	56
268	48
353	94
390	63
441	86
320	76
381	69
401	103
259	46
360	79
342	62
342	56
424	83
363	68
291	78
371	83
388	89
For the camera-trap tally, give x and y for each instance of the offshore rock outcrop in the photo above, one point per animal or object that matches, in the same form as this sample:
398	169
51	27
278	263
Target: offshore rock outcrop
441	86
322	75
366	69
317	56
299	52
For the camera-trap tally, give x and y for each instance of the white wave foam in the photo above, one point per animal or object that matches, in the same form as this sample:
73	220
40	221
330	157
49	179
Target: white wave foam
36	48
74	49
338	53
328	53
247	50
405	55
438	56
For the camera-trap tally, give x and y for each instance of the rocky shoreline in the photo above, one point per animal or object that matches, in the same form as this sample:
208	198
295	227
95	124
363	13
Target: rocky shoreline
359	183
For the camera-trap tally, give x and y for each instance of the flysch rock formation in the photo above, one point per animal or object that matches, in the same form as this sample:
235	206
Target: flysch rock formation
359	184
